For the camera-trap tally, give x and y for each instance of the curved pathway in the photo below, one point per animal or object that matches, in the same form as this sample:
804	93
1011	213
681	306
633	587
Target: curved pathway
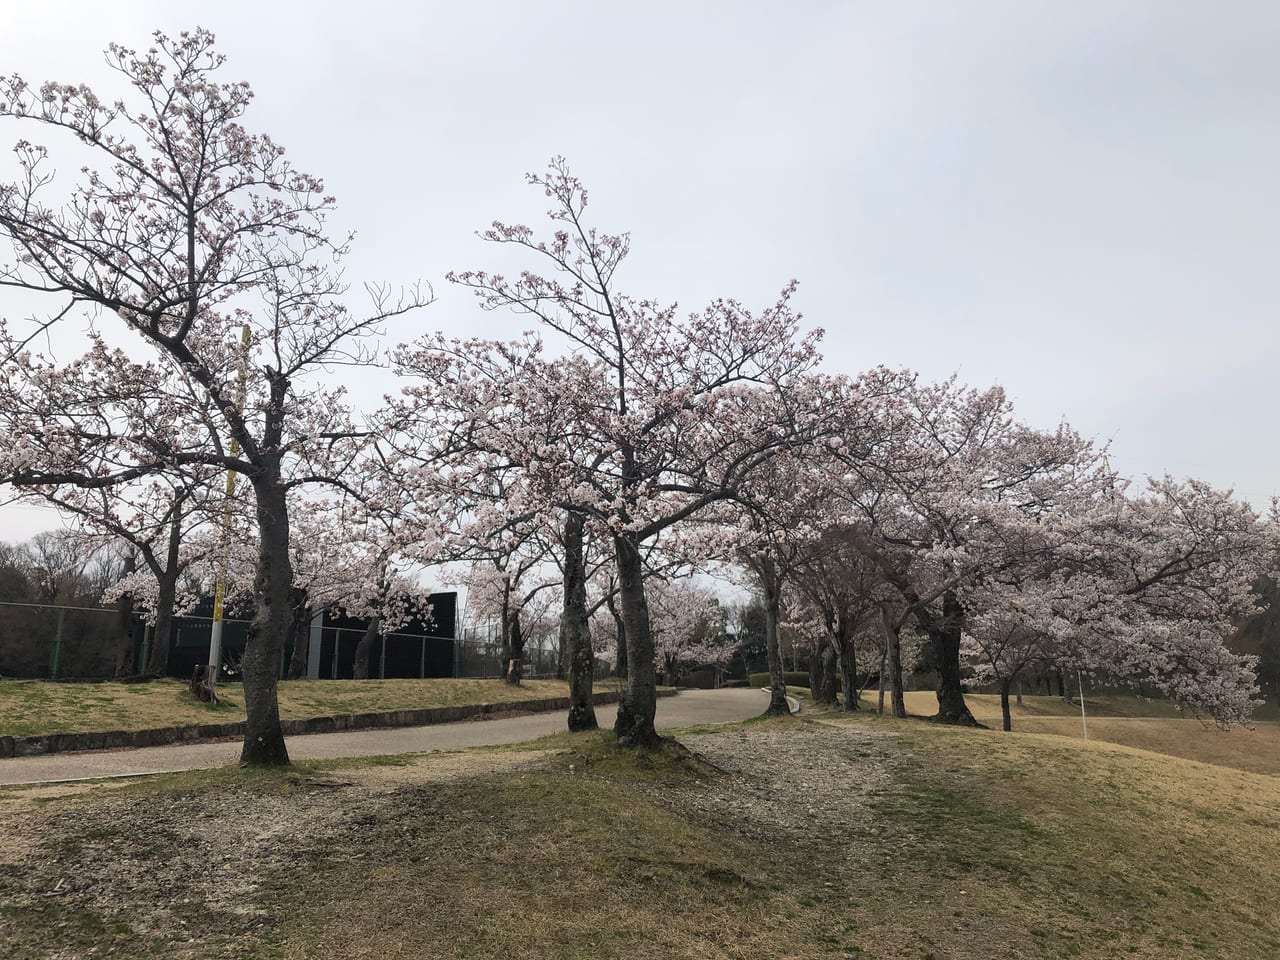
685	709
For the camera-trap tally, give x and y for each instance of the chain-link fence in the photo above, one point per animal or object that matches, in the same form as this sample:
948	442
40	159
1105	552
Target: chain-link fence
50	641
393	656
480	655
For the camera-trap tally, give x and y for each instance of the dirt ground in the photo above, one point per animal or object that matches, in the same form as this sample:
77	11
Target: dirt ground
181	869
188	866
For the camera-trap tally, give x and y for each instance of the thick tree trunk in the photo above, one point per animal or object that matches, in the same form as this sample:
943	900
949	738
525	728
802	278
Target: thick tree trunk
260	667
1062	687
1005	715
893	657
166	598
822	671
301	634
848	667
772	586
946	654
639	704
515	650
124	646
575	629
364	649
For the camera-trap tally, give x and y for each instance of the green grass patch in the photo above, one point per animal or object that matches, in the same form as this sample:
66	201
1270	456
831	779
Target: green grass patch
33	707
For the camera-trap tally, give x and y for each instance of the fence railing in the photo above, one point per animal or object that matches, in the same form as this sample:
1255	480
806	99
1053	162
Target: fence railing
60	641
56	641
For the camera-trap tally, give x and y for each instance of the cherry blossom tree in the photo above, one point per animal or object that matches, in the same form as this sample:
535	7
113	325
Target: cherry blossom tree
509	586
688	623
156	518
658	416
969	492
837	586
1163	578
196	232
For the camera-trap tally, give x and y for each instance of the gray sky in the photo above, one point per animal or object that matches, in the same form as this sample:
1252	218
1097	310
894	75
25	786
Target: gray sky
1076	200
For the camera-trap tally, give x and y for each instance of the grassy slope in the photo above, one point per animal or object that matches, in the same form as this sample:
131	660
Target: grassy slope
975	844
33	707
1129	721
983	845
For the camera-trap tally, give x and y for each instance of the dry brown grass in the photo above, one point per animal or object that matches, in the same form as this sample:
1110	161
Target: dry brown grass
1129	721
947	844
30	707
1070	849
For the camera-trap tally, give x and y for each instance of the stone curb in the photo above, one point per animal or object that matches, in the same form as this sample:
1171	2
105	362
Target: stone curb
195	732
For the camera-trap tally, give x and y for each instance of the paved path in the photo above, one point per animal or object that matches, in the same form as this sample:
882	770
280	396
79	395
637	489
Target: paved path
685	709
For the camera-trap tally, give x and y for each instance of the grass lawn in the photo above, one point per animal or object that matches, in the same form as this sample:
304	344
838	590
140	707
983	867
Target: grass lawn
29	707
828	838
1130	721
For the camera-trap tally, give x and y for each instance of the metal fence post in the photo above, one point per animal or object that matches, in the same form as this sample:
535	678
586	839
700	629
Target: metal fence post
422	660
56	655
382	657
337	645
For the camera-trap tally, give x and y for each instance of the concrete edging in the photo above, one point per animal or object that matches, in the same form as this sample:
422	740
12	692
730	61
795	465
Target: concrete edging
195	732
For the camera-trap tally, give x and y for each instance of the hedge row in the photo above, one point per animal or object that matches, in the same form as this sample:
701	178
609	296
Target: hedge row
793	678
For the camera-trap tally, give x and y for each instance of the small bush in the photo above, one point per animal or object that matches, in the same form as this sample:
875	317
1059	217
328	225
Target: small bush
792	678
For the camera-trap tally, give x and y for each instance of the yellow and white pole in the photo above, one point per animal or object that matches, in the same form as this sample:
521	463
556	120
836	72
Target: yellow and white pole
220	582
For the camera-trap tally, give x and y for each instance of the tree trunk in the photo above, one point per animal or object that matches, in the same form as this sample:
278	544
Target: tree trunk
122	654
639	704
166	599
575	629
122	658
848	666
1005	715
772	585
301	634
1062	687
893	656
822	671
515	650
884	659
505	625
620	630
945	638
260	667
1019	691
364	649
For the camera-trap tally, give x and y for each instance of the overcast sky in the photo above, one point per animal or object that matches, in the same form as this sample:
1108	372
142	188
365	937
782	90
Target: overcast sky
1075	200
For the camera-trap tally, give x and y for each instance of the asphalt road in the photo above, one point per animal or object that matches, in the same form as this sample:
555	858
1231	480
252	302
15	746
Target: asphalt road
685	709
